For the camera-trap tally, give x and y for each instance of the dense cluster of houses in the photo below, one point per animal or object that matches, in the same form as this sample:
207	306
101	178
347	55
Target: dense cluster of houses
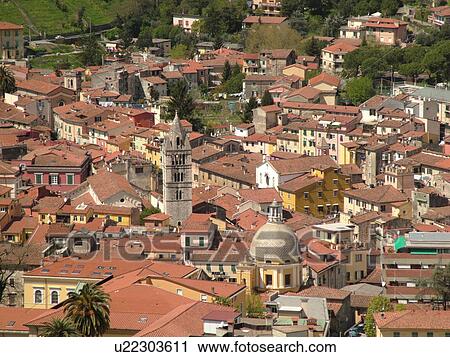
97	186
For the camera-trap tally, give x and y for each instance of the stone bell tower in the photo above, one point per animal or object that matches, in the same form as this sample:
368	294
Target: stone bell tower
176	157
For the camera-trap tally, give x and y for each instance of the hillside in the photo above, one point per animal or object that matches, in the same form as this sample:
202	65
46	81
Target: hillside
56	17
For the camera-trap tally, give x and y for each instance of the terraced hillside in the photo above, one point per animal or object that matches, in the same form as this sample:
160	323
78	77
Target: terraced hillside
54	17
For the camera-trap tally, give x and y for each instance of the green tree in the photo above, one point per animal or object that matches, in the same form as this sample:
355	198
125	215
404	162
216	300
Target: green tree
332	24
60	328
148	212
248	109
389	7
254	306
89	310
358	90
145	38
92	52
261	37
221	300
377	304
411	70
179	51
233	85
313	47
441	283
226	75
266	99
299	22
181	101
7	81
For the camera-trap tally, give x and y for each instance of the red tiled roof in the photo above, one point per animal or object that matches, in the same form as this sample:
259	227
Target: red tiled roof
183	321
413	320
12	319
325	78
323	292
10	26
269	20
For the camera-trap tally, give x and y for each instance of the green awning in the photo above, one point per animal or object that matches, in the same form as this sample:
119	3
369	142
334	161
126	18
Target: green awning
399	243
424	251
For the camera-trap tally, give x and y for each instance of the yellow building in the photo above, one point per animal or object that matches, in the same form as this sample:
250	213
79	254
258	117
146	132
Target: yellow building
20	231
412	323
307	138
80	214
50	284
274	258
153	154
319	193
123	216
11	41
288	142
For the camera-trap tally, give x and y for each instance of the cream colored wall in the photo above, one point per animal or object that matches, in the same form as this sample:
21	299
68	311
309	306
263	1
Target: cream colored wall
48	284
407	333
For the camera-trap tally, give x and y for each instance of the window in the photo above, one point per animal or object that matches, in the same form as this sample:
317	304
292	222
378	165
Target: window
414	334
139	170
268	279
306	195
54	297
187	241
38	179
430	334
383	208
204	298
119	219
54	179
359	257
320	194
208	267
335	181
12	283
320	209
221	268
201	241
70	179
38	296
287	280
396	334
233	268
12	299
356	275
335	193
348	276
180	292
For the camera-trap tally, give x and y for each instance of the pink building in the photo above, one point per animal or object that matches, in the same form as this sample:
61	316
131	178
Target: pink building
185	21
60	167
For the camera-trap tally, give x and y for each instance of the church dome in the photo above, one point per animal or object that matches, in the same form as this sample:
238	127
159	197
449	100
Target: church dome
275	242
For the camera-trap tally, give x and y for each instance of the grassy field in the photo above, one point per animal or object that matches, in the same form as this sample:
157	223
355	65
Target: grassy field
46	17
52	62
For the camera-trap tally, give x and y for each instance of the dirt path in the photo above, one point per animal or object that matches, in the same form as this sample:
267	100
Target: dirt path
26	18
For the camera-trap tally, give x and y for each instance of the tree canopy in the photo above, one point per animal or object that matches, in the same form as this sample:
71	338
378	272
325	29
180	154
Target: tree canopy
377	304
358	90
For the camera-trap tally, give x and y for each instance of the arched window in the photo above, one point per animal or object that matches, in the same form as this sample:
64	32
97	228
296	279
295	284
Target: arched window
38	296
54	297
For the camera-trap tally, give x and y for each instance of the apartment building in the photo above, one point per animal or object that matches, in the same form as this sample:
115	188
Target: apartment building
11	41
413	261
267	7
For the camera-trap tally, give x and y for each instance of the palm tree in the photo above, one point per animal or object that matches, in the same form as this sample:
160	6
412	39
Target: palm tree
60	328
7	81
88	310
